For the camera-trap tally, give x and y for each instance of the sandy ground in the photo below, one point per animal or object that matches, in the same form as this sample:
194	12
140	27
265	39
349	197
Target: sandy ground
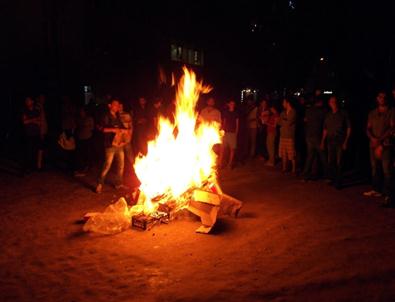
292	242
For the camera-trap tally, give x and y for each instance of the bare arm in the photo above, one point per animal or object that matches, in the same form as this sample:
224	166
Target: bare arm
348	134
324	135
369	131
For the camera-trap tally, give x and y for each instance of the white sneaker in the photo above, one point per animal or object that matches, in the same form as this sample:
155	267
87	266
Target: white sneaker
372	193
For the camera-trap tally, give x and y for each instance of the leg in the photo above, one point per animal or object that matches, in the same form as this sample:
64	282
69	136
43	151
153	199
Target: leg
271	148
232	146
40	153
283	154
265	150
284	161
221	154
323	159
339	166
374	171
128	155
252	133
291	153
293	161
231	157
120	158
109	156
309	160
387	171
28	153
331	161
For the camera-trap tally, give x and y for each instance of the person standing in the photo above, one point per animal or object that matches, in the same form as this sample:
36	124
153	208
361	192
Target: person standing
287	124
271	138
141	126
252	125
43	129
314	123
380	128
264	113
230	125
336	134
84	134
112	128
31	119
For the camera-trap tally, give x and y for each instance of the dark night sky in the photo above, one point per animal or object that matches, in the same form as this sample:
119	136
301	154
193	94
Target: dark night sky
59	45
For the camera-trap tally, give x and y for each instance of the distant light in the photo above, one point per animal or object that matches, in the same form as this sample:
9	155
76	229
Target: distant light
291	4
328	92
322	59
297	93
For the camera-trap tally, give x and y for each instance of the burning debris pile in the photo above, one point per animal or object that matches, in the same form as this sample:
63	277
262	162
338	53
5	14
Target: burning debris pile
178	172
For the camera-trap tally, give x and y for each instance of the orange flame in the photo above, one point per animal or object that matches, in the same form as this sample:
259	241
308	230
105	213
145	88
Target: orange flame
181	157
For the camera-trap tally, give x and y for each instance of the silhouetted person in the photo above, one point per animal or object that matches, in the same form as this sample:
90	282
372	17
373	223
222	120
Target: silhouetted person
271	122
336	133
31	119
43	128
230	125
287	124
380	128
252	126
141	119
84	134
314	125
263	116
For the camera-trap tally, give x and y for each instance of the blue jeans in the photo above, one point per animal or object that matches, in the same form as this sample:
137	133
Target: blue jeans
110	153
382	170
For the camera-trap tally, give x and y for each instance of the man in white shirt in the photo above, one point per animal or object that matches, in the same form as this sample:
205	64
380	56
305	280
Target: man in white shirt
209	113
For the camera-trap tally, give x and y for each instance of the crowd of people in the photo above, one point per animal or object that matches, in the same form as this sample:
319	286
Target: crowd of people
309	138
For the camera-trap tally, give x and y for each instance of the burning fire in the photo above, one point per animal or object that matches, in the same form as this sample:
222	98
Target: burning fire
181	157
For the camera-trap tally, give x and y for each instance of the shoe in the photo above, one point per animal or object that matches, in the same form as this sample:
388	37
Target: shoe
372	193
121	187
387	203
235	212
99	188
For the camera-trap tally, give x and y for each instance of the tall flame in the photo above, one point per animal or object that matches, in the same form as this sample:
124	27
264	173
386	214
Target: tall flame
181	157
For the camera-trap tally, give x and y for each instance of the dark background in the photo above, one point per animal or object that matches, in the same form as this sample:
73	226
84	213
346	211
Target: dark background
56	47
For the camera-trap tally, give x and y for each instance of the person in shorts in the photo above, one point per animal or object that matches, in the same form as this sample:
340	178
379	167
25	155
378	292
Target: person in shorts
287	125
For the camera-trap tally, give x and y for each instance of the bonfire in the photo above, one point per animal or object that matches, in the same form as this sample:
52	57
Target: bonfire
178	172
